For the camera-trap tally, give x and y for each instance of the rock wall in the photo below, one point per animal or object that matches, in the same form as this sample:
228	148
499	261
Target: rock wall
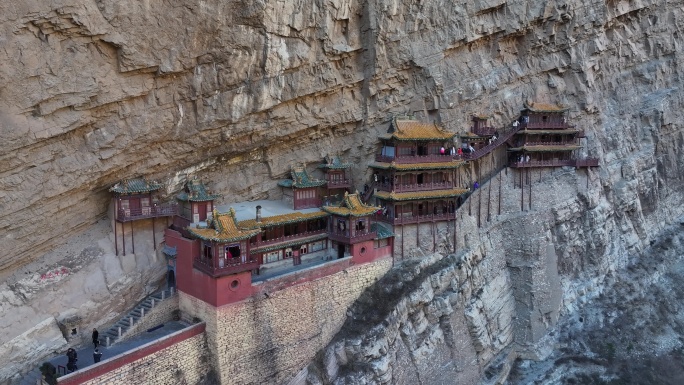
266	340
236	91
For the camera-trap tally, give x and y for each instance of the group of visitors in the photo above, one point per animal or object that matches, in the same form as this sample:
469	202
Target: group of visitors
72	355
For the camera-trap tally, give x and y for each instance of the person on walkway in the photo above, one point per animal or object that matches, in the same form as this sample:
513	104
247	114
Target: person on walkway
515	123
97	356
476	185
527	159
96	338
459	152
72	357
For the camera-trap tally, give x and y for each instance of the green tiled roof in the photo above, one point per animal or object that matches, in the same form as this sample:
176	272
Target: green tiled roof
382	231
301	179
334	162
295	242
196	192
135	186
351	205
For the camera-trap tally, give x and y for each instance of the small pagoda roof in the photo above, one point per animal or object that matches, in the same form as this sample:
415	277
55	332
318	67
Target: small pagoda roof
283	219
300	179
417	166
381	230
295	242
545	107
351	206
222	228
410	129
480	117
546	148
135	186
560	131
195	191
334	163
415	195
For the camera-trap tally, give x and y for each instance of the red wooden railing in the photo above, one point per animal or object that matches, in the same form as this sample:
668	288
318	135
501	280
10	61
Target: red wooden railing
418	218
544	163
561	143
357	237
545	125
415	186
587	162
161	210
222	266
408	159
338	182
286	238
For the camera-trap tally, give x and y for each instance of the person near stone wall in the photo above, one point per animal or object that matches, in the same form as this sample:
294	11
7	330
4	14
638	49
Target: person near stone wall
72	357
96	338
97	356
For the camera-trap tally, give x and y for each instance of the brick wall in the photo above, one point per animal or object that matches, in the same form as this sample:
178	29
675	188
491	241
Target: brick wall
267	339
177	358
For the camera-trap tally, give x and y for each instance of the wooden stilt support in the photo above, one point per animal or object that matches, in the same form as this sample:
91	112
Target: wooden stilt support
402	242
132	239
522	191
154	237
499	212
479	208
123	238
116	239
489	201
529	201
417	234
434	238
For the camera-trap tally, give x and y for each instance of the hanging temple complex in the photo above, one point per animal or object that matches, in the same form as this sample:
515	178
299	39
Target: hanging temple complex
219	256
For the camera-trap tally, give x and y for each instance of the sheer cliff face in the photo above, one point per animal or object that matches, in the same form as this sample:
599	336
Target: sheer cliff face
95	91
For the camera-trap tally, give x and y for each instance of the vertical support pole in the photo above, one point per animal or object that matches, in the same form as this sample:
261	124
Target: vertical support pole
154	237
402	242
132	238
142	312
172	290
152	302
479	207
108	341
130	321
522	191
123	237
434	239
116	239
530	197
163	294
489	200
119	331
499	213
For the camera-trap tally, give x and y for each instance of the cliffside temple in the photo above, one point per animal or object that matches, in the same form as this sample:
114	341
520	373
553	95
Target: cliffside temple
345	192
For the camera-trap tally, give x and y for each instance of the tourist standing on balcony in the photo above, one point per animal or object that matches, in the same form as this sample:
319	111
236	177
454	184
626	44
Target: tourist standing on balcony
459	152
442	151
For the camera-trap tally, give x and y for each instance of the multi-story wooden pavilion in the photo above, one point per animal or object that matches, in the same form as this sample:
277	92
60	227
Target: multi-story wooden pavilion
417	178
338	178
197	203
133	200
350	228
224	246
303	190
546	139
480	134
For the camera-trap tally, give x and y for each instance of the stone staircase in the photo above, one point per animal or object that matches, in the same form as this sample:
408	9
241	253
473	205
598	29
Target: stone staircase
119	329
34	377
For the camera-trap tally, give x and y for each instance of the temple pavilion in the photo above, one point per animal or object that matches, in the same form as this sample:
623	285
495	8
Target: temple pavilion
338	178
480	134
546	139
303	190
416	178
134	199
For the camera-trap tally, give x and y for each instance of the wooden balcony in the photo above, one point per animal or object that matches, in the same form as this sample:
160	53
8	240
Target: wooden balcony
483	131
409	219
162	210
224	266
558	143
359	236
338	183
284	239
409	159
415	186
546	125
544	163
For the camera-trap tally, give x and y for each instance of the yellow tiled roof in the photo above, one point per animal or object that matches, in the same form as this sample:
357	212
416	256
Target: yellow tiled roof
545	107
418	166
223	229
281	219
407	196
351	206
546	148
415	130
